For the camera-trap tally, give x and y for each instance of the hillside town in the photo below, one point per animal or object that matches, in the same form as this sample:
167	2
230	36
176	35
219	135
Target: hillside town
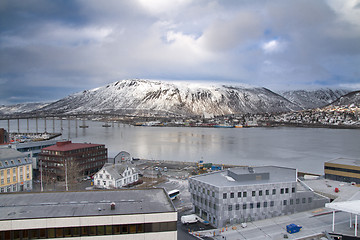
190	199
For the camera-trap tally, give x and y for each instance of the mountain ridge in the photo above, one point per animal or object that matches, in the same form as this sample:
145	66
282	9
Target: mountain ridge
154	97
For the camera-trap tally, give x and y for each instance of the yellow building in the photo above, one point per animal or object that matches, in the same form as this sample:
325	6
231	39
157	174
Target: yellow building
343	169
15	171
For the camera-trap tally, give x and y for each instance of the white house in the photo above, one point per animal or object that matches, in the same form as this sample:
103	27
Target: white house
116	175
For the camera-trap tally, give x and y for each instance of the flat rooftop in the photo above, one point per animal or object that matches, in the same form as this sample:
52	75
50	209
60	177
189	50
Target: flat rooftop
248	176
86	203
346	161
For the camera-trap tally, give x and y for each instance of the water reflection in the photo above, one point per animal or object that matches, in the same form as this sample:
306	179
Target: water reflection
302	148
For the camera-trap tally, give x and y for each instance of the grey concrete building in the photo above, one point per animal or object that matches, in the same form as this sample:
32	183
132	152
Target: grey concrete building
146	214
246	194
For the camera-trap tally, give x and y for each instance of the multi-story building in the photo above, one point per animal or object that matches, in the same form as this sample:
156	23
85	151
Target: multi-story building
343	169
116	175
245	194
85	158
145	214
15	171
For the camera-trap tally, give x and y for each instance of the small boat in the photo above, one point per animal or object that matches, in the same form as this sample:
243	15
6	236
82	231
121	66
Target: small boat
83	126
106	125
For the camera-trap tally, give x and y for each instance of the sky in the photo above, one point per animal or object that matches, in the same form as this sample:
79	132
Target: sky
51	49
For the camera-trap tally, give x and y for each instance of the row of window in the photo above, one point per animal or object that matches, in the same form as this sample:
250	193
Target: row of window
14	176
101	230
343	169
266	204
13	188
6	163
257	193
243	194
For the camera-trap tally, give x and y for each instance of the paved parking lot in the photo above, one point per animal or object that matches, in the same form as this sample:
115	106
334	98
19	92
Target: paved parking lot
312	224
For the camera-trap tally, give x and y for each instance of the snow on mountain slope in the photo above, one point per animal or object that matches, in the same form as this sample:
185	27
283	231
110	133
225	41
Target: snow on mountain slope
313	99
21	108
164	98
348	99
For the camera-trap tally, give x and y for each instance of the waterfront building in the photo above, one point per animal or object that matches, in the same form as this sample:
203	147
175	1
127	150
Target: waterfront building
122	157
246	194
15	171
4	136
116	175
343	169
145	214
85	158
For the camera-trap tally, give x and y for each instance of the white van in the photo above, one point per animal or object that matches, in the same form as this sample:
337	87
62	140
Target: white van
189	219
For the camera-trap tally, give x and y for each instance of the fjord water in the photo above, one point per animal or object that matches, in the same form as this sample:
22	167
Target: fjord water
303	148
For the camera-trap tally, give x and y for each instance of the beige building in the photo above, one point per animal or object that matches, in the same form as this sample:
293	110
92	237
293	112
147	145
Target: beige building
15	171
343	169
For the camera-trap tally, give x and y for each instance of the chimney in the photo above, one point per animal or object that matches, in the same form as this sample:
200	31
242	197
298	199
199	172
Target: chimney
59	144
112	206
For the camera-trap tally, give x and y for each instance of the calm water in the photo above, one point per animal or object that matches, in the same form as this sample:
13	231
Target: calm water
301	148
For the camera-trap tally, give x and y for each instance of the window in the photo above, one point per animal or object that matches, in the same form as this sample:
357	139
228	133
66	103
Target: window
291	201
239	194
258	205
267	192
244	206
237	206
285	202
271	203
232	195
208	192
251	205
230	207
260	192
297	201
224	195
309	200
265	204
253	193
286	190
304	200
213	194
293	190
282	191
274	191
244	194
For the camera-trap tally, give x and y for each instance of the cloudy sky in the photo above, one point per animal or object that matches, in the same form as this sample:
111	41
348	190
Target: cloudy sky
50	49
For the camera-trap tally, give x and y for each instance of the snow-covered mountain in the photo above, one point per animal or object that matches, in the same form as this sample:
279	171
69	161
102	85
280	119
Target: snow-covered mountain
21	108
308	99
348	99
144	97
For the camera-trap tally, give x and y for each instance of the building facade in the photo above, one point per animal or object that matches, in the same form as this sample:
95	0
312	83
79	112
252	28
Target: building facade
15	171
146	214
116	175
85	158
4	136
245	194
122	157
343	169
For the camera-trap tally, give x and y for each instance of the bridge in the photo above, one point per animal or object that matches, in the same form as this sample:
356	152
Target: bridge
123	118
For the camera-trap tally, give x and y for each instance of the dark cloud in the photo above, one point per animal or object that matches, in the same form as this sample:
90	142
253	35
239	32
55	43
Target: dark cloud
60	46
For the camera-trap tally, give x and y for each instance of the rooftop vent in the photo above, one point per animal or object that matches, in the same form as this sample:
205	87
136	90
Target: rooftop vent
112	206
251	170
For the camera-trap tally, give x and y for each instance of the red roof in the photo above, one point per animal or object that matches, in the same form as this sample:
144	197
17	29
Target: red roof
68	146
